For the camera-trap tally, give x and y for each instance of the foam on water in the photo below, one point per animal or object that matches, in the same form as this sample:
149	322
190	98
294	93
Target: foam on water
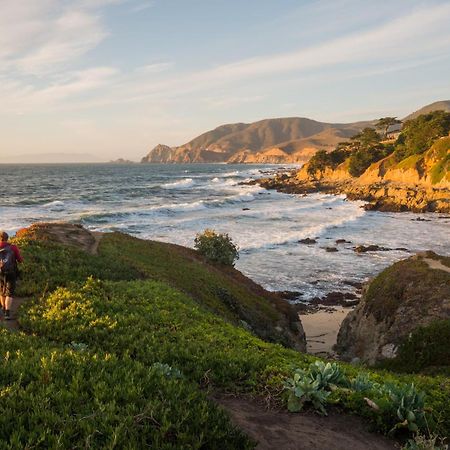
187	182
173	203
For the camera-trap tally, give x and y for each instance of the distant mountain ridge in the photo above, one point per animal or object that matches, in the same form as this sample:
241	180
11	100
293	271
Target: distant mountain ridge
276	141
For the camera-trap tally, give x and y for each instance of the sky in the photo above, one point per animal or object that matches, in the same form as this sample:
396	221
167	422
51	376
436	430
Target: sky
103	79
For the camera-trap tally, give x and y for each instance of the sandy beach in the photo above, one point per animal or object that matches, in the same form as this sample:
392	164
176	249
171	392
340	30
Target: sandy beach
321	329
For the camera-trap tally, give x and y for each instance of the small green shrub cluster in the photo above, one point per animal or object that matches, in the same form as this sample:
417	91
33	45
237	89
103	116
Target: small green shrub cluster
425	442
401	404
313	386
426	348
216	247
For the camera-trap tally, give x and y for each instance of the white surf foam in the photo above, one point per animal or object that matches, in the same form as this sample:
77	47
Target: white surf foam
181	184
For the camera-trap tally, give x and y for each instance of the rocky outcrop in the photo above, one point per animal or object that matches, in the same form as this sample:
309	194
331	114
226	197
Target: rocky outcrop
412	293
161	154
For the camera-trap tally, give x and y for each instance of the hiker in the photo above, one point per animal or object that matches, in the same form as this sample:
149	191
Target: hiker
9	258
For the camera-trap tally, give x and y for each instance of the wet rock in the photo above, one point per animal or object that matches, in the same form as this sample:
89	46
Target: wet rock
290	295
355	284
336	299
308	241
370	248
245	209
330	249
342	241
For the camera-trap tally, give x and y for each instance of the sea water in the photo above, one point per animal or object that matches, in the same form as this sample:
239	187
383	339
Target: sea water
174	202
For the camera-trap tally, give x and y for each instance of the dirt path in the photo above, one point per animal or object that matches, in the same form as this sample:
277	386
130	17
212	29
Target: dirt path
12	323
98	237
435	264
307	431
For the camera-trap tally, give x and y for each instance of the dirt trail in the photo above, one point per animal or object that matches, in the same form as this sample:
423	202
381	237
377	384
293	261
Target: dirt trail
12	324
307	431
64	233
435	264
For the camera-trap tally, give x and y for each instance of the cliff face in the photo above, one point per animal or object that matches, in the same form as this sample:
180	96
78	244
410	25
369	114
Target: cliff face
411	293
287	140
419	183
160	154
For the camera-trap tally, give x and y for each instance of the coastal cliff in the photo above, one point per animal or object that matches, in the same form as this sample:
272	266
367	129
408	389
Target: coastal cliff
410	174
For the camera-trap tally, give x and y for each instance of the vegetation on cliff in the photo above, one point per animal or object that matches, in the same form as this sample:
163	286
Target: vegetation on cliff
417	136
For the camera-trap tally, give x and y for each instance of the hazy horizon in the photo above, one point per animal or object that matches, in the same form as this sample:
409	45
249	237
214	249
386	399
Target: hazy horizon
105	79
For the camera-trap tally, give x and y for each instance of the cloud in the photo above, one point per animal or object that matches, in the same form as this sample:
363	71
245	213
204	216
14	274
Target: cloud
155	67
143	6
228	101
38	40
398	43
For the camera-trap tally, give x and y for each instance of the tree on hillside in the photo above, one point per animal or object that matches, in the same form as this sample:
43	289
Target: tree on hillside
385	123
366	149
366	138
318	163
419	134
323	160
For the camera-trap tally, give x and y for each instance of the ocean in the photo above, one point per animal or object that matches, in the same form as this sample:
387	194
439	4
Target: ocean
174	202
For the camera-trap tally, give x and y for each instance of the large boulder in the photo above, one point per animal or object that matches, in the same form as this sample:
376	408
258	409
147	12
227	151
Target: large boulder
410	294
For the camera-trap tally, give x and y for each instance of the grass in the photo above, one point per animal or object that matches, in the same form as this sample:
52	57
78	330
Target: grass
91	358
440	151
410	162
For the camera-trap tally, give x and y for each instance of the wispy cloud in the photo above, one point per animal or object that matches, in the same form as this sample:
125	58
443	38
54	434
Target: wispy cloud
142	6
38	38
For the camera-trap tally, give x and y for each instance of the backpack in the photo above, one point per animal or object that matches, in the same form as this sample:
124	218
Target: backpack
7	261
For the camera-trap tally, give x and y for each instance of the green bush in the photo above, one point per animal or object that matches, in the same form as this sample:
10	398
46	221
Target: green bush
217	247
426	348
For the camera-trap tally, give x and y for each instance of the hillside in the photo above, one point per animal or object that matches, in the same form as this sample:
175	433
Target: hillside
409	174
274	141
269	141
115	352
443	105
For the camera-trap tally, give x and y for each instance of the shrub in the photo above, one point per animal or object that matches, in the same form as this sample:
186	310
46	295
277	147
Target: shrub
217	247
304	390
425	348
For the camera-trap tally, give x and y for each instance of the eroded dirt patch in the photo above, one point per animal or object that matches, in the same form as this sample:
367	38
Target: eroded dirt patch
63	233
274	429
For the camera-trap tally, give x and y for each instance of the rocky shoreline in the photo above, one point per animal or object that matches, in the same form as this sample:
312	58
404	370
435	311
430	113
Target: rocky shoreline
382	196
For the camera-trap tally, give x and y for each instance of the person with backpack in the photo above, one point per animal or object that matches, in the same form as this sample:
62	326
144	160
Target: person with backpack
9	259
